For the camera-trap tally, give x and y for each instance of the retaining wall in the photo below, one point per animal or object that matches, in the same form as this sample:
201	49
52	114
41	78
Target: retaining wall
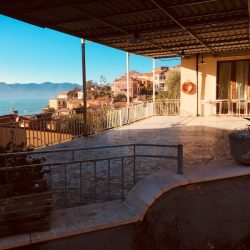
163	211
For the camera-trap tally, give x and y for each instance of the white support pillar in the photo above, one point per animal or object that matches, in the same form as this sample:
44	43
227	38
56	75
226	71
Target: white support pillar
84	88
127	57
153	80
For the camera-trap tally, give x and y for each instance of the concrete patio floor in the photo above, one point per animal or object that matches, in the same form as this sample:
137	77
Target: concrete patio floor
205	140
206	155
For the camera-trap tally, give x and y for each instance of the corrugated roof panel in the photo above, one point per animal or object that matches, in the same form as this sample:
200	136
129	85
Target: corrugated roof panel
163	26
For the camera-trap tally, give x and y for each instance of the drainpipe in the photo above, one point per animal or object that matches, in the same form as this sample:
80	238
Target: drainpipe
84	88
197	84
127	57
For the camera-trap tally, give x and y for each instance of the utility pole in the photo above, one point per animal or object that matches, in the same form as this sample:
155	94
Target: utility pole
84	89
127	61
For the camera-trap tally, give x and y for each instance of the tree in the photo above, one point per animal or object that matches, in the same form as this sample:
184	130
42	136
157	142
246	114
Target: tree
103	81
173	83
120	98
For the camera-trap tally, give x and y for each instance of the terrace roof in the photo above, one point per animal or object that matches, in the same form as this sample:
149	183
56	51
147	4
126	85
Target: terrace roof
153	28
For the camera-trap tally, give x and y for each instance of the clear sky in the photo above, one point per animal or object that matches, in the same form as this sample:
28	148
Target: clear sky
32	54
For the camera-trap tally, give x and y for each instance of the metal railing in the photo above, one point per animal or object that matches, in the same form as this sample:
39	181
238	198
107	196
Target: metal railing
167	107
86	175
39	133
226	107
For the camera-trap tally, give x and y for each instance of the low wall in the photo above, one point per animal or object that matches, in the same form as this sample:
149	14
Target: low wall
16	135
39	138
163	211
210	215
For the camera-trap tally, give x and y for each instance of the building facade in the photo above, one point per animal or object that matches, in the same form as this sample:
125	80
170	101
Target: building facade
221	88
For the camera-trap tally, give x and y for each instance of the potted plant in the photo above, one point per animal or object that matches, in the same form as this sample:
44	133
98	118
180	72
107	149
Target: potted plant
25	198
239	142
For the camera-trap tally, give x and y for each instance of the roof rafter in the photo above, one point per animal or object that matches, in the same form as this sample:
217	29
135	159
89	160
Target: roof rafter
161	7
163	26
110	16
80	2
217	40
132	12
248	4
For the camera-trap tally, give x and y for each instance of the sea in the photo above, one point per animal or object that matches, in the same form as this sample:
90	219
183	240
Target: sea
24	106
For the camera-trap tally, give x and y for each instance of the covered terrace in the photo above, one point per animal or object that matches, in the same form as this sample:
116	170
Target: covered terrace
211	31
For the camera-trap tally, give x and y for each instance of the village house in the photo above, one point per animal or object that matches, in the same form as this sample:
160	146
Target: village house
119	86
142	82
160	79
66	102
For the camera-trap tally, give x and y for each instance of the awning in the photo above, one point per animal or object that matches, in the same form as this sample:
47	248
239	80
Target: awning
153	28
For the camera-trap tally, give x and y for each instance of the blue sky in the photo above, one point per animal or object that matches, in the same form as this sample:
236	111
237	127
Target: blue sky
32	54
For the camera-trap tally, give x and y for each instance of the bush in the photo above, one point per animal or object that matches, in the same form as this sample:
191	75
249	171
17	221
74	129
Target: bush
19	180
120	98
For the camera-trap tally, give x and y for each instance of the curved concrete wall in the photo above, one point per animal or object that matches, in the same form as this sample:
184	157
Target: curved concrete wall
208	215
163	211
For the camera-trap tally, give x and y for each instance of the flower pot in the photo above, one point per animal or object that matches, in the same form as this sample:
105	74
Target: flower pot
240	146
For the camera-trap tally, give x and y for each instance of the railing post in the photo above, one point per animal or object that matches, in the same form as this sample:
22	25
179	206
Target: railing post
122	179
135	110
120	116
134	151
180	159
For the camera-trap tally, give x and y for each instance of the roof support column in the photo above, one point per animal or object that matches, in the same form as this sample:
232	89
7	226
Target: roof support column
197	84
153	80
84	88
127	61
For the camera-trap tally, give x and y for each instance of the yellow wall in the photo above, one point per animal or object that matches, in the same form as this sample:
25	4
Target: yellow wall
53	104
16	135
206	84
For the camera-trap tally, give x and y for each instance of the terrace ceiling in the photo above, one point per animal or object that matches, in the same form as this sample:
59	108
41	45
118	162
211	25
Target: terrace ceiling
153	28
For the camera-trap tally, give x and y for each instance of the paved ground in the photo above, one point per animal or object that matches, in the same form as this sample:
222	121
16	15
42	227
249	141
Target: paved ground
205	140
205	143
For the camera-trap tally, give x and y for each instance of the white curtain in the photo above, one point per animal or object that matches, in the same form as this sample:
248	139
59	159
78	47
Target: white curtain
241	79
224	80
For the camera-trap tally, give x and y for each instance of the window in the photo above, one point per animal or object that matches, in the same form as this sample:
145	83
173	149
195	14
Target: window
233	80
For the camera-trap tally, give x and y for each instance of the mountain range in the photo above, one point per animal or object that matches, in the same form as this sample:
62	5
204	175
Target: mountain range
34	90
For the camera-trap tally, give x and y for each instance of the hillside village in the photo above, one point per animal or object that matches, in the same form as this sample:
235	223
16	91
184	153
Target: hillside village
140	89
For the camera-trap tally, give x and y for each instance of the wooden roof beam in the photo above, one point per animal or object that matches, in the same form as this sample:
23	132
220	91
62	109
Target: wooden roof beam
162	8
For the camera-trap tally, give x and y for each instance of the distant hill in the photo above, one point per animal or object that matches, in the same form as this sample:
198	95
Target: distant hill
34	90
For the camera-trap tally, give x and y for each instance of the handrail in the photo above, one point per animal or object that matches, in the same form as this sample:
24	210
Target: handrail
121	169
85	148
